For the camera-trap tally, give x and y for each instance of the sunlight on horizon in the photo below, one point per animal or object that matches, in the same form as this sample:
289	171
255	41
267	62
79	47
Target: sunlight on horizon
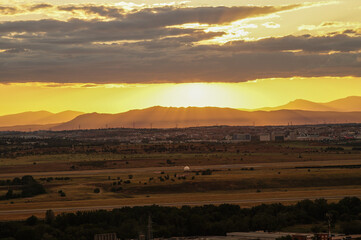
115	98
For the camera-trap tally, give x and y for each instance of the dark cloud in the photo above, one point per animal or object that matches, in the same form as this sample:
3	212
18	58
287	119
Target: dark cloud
182	68
140	20
163	16
328	24
104	11
349	31
39	6
8	10
145	24
204	15
145	46
169	62
5	10
306	43
353	32
77	31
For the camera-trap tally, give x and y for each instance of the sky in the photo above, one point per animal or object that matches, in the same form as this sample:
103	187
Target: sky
113	56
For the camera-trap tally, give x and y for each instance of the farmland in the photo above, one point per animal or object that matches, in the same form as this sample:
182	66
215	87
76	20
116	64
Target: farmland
242	173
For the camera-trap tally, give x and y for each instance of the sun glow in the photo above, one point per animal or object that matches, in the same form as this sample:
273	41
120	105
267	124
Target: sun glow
199	95
196	93
115	98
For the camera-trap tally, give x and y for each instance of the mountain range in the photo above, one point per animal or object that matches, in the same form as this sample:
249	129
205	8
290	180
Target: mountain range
37	118
348	104
298	112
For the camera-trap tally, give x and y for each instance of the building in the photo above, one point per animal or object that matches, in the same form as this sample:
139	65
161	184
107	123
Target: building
321	236
106	236
302	237
258	235
255	138
242	137
279	138
265	137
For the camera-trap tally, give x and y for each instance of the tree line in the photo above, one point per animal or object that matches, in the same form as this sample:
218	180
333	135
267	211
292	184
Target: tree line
129	222
23	187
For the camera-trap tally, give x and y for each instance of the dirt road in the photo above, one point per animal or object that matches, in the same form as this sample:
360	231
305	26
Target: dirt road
193	168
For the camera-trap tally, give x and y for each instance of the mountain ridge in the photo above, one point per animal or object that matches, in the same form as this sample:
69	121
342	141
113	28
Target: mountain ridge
37	117
162	117
347	104
169	117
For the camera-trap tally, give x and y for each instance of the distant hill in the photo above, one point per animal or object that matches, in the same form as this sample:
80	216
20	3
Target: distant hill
348	104
37	118
163	117
28	128
298	112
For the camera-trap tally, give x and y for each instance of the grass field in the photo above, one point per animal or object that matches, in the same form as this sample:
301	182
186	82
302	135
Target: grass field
68	162
245	174
226	185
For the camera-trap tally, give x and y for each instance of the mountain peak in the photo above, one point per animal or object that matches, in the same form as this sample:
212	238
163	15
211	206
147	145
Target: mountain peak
347	104
299	111
37	117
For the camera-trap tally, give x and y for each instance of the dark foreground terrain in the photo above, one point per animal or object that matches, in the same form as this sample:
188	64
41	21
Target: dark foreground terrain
208	220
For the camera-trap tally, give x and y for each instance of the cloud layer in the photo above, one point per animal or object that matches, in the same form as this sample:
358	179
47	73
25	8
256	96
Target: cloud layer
148	45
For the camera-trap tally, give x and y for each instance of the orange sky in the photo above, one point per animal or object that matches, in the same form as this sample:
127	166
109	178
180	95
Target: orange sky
114	98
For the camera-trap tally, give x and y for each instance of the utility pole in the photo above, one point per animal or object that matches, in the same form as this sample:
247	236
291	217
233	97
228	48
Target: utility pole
150	231
329	220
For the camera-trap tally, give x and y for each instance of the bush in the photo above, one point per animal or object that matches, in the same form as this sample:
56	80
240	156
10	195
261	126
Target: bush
31	221
352	227
288	237
207	172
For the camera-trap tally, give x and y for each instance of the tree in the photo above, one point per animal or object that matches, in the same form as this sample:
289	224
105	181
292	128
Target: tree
9	194
31	221
352	227
26	233
47	236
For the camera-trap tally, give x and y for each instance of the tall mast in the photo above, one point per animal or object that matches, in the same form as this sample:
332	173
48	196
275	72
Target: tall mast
150	231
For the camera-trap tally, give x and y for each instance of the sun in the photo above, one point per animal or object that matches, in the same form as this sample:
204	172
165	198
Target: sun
196	95
196	92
